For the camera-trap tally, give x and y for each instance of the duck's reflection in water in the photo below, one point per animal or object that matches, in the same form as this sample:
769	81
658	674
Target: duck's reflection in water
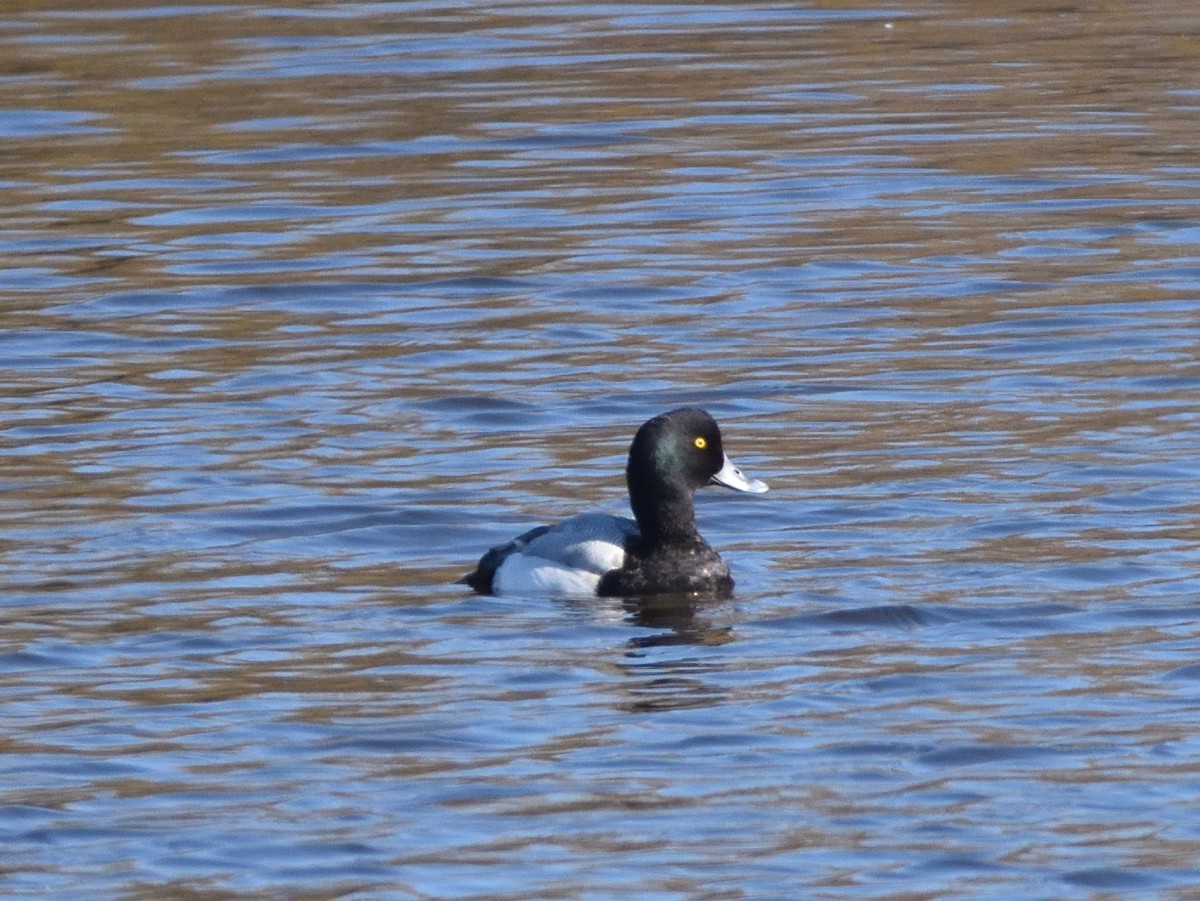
676	619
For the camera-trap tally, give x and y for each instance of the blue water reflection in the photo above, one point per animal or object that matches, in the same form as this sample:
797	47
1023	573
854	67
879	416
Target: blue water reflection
307	307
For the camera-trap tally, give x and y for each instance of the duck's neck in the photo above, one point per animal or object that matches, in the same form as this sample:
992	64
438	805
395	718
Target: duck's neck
665	514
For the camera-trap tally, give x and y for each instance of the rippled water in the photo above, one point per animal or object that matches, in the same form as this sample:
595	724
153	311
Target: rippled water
302	307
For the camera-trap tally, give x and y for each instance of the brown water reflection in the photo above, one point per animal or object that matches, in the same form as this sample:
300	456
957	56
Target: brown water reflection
304	306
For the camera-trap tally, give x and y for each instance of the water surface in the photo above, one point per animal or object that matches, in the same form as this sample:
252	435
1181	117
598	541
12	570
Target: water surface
303	307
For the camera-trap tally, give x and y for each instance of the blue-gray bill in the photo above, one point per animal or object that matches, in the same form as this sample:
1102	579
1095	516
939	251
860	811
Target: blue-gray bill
732	477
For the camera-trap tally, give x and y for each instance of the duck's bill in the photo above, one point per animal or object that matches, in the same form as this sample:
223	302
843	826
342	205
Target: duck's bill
731	477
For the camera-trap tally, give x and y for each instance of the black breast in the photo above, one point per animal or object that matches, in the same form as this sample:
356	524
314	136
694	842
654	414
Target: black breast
691	568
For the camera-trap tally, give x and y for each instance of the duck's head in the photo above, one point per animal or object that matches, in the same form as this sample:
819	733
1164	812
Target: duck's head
671	456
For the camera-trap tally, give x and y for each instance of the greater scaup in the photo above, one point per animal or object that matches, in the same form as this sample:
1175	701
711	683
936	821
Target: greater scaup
661	553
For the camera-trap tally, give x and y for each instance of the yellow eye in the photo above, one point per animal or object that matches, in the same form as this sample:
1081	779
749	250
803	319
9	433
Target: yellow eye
701	443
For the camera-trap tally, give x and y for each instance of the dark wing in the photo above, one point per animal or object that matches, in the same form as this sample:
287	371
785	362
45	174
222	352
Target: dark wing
481	578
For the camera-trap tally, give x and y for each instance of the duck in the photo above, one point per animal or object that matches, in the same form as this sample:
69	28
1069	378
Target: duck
659	551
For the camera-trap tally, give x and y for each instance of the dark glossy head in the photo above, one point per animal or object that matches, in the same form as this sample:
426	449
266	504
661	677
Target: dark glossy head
671	456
